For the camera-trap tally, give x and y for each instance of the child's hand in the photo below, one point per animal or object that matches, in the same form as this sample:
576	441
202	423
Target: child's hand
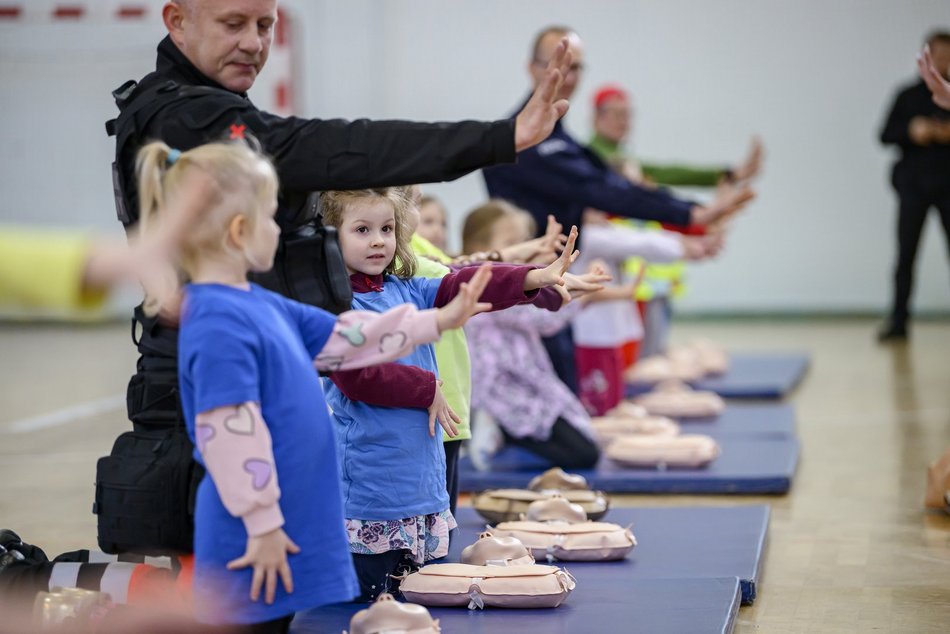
267	553
466	304
440	411
553	273
590	282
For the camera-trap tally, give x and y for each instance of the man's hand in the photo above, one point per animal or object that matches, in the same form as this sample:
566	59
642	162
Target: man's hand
536	120
753	162
728	201
939	86
922	130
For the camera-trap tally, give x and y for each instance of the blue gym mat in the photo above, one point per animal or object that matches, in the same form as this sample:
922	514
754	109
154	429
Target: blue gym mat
745	420
751	376
672	542
763	464
598	604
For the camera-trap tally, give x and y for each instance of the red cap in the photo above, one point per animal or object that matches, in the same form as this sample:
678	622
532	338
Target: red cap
607	92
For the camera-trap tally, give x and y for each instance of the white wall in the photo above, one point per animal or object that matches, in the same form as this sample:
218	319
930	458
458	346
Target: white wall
813	78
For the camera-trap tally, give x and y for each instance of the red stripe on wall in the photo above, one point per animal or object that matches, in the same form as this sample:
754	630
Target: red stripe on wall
282	98
128	12
68	12
9	12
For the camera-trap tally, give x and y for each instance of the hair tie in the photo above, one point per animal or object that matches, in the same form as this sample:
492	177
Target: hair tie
173	156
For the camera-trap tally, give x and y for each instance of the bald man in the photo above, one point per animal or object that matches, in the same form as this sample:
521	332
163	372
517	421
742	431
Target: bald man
211	57
561	177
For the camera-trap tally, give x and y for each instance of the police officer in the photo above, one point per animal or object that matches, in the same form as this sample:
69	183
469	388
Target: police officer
921	178
197	93
562	177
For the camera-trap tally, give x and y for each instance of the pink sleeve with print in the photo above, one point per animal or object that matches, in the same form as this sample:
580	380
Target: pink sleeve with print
362	338
235	444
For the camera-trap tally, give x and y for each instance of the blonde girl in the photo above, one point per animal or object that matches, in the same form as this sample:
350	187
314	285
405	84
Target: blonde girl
269	514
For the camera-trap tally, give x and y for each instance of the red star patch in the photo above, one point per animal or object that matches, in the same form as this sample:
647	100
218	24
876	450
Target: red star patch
237	131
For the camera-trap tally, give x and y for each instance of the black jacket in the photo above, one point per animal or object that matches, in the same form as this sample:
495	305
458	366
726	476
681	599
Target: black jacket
921	169
313	154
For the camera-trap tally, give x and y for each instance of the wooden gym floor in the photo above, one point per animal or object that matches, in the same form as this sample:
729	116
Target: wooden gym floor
850	548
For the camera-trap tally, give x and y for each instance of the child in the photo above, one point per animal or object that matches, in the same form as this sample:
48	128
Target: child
252	401
432	221
534	409
607	328
395	498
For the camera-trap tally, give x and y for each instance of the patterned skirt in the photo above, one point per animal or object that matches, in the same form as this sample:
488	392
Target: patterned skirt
426	537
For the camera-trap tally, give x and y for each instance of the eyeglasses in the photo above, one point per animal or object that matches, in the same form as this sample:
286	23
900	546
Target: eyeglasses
576	67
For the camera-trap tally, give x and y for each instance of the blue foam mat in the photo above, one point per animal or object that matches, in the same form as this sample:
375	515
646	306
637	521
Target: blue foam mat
672	542
745	420
751	376
597	604
764	464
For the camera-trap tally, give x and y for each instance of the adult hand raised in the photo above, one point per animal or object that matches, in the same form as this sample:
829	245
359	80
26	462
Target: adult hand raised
939	86
536	120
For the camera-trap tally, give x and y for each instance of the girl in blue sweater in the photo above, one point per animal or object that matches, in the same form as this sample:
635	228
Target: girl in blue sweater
393	465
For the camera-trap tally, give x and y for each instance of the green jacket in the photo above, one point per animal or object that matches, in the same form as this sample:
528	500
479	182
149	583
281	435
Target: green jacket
451	351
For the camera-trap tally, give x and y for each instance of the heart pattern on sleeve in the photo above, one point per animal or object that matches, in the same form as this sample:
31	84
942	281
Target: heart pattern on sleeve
392	341
203	434
260	471
242	422
330	362
354	334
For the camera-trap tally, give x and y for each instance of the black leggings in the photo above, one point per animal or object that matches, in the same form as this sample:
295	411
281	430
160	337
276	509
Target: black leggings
374	572
566	447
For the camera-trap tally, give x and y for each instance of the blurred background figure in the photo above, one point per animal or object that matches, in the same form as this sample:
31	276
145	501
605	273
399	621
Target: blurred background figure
921	177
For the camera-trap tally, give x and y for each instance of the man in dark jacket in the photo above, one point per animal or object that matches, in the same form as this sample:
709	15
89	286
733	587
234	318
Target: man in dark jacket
562	177
921	177
197	94
221	44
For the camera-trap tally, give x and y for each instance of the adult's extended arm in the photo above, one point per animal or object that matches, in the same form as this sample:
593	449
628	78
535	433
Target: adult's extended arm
571	175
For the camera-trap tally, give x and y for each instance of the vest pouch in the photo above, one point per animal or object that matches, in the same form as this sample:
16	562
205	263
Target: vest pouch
145	493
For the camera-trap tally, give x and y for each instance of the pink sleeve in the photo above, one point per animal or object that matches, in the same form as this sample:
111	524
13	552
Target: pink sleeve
362	338
235	444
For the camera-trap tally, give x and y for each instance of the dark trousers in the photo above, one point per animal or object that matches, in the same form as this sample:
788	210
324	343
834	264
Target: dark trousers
912	214
560	347
452	448
566	447
374	572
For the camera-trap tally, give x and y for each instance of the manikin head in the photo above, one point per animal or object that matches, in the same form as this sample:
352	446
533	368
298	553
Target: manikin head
542	51
613	114
227	40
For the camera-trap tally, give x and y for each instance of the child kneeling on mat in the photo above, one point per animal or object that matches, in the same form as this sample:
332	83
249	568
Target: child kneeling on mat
252	399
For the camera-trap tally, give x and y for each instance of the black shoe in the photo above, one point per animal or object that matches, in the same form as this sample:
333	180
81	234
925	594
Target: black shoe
11	542
892	332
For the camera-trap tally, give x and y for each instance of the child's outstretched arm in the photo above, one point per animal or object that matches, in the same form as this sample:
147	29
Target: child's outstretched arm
552	274
235	444
363	338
